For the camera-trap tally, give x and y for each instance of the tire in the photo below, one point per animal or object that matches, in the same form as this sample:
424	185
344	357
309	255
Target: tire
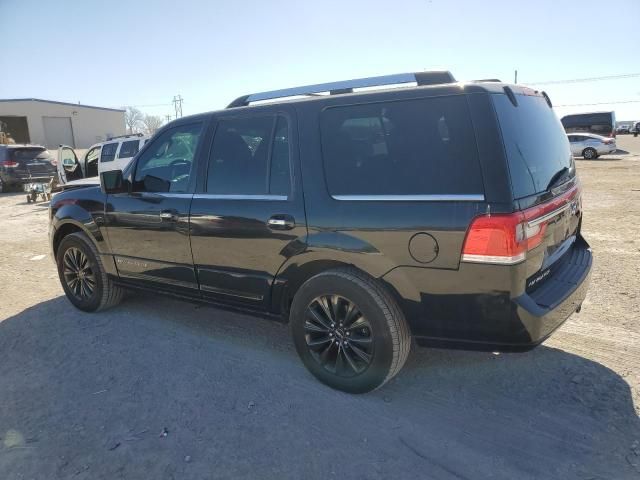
2	187
375	326
589	153
104	293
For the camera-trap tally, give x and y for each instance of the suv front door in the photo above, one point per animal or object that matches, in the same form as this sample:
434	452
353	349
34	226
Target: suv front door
148	227
250	217
69	168
91	162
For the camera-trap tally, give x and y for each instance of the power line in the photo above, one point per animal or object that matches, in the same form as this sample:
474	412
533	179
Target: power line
151	105
583	80
597	103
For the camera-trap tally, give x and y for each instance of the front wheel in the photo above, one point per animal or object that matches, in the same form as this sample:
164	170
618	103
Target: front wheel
348	330
589	153
82	275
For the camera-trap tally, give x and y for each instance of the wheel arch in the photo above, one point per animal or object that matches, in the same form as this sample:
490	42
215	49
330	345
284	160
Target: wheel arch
62	227
298	269
63	230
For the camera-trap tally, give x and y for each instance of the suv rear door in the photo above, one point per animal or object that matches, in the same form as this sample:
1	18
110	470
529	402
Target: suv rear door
250	214
29	163
543	179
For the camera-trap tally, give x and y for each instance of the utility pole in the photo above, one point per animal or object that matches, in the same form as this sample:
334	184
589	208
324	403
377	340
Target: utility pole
515	80
177	103
168	117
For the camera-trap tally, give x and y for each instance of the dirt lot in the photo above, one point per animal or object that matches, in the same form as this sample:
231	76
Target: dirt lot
88	396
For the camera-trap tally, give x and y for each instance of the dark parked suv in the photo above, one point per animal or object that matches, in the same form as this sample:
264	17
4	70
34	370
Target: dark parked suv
447	212
21	164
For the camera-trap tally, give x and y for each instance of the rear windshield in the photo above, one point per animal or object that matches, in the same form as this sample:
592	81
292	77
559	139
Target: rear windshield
28	153
412	147
536	145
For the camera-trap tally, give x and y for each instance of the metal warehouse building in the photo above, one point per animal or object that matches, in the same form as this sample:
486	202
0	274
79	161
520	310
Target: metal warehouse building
48	123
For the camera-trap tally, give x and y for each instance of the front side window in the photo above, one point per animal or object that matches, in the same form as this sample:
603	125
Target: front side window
108	152
250	156
166	165
414	147
129	149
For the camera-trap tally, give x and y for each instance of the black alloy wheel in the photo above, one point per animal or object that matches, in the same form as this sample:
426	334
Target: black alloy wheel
348	330
83	276
78	274
338	335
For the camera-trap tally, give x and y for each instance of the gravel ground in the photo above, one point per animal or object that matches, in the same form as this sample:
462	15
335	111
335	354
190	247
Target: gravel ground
157	388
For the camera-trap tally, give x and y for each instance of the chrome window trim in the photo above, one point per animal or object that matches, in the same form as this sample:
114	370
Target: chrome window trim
411	198
213	196
548	216
169	194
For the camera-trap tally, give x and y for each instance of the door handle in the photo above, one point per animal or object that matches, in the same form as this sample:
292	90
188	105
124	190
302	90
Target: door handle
281	222
168	215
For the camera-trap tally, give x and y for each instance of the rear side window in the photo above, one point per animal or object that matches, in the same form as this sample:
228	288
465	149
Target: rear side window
415	147
129	149
108	152
535	143
250	156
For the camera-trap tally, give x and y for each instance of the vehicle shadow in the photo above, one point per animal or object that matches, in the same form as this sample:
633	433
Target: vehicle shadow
165	389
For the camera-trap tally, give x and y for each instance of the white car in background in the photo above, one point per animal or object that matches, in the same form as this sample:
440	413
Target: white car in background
114	154
591	146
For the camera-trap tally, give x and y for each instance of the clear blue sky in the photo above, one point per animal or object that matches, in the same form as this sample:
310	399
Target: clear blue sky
143	52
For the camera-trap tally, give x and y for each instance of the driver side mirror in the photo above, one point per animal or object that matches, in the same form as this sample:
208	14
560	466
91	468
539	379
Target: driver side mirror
112	181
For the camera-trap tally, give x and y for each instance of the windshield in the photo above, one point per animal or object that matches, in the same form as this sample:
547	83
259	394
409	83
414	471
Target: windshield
536	145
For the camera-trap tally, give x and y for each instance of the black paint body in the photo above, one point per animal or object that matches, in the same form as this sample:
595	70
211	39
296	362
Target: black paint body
223	250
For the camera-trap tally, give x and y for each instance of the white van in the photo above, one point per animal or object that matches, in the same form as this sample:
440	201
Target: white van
114	154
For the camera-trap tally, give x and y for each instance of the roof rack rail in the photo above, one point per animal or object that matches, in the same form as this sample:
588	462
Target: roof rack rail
347	86
125	136
483	80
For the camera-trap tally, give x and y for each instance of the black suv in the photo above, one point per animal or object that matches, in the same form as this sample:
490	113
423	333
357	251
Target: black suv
443	211
22	164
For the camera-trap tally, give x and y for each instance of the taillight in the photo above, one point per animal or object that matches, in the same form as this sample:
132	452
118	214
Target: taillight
501	238
9	164
505	239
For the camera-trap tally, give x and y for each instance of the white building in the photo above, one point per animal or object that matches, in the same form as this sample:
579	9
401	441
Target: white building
48	123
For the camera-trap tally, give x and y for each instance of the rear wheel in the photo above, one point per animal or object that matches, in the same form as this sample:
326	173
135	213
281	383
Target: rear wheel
348	331
589	153
82	275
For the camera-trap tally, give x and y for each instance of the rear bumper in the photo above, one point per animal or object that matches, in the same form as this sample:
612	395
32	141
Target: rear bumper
492	318
18	179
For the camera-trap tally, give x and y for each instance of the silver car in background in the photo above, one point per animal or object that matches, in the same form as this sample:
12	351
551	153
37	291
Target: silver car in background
590	146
